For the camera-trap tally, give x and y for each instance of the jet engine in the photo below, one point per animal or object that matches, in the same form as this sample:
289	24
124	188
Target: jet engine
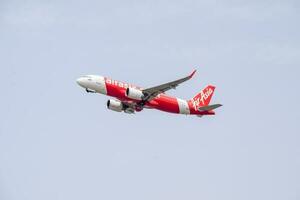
136	94
115	105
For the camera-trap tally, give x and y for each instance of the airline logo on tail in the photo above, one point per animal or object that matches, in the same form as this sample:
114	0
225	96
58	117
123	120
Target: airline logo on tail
203	98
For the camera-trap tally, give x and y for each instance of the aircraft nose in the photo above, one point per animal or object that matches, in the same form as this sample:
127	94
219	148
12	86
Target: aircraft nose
80	81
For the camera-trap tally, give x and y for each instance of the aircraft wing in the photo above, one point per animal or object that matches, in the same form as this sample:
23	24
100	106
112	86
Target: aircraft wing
152	92
129	104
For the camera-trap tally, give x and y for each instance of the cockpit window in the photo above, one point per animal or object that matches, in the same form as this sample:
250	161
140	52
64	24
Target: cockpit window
89	78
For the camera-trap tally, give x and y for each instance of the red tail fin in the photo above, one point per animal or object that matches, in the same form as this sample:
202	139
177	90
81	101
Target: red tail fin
204	97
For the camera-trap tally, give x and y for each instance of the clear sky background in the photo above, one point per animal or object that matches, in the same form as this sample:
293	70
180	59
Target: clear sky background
57	142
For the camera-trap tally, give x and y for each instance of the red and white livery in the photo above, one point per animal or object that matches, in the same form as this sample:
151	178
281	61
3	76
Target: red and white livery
130	98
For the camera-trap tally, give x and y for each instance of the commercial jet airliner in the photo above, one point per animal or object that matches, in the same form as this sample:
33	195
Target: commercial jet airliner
130	98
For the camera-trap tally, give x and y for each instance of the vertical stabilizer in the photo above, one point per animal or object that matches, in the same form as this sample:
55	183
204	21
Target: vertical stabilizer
203	98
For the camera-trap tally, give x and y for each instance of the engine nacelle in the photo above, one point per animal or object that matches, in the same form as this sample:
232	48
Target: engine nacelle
135	94
115	105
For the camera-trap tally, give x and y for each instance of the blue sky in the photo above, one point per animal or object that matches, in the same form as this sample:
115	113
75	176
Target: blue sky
57	142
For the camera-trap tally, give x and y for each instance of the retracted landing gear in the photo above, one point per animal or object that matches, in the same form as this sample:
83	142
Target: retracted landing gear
89	91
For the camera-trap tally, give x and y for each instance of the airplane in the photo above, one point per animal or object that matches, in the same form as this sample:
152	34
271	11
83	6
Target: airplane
130	98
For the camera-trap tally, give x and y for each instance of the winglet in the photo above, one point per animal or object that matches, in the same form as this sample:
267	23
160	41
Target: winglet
192	74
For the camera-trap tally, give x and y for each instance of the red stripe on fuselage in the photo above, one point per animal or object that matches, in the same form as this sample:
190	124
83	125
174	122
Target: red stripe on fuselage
118	89
165	103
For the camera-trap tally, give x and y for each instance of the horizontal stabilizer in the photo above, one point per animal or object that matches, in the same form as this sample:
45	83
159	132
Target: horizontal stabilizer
210	107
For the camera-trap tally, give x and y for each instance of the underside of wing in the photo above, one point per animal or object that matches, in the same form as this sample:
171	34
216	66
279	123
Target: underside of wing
151	93
129	104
